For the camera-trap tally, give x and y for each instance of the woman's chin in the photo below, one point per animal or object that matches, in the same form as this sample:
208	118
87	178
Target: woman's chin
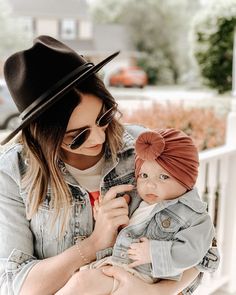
92	151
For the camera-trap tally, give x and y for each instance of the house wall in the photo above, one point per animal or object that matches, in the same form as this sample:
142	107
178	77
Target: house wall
47	26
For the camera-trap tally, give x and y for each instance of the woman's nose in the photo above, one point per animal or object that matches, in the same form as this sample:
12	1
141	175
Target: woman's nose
97	135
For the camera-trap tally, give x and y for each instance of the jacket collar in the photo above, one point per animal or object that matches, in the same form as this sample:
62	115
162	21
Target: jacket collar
190	199
193	201
128	144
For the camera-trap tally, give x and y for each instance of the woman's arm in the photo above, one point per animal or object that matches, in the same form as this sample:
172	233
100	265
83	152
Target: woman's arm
128	284
51	274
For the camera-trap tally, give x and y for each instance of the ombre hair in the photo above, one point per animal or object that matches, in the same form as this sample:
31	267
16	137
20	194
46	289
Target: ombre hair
42	140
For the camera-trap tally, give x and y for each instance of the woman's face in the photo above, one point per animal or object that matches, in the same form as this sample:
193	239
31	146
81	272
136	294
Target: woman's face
85	116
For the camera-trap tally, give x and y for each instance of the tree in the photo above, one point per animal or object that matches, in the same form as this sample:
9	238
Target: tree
213	49
11	31
158	28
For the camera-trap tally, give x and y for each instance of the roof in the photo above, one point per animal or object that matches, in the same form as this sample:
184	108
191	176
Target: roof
50	8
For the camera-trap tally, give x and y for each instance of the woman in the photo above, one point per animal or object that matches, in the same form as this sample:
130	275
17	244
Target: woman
71	151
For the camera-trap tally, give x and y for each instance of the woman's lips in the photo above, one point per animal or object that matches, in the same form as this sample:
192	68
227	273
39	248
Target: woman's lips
94	147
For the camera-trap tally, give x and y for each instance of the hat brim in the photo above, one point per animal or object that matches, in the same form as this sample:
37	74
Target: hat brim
62	89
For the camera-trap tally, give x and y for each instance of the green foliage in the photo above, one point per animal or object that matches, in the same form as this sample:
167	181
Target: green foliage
213	49
202	124
158	28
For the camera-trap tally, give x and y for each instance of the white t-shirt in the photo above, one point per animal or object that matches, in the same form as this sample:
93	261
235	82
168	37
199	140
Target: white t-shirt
89	178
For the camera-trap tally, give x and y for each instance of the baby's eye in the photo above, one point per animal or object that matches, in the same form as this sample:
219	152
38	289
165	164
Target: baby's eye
163	176
143	175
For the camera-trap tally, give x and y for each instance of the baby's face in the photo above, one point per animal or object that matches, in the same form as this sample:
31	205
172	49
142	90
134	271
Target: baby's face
155	184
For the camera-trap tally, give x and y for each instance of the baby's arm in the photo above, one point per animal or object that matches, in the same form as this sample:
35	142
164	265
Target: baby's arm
185	250
171	258
140	252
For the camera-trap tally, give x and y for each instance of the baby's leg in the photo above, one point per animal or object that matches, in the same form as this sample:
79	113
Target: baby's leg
94	282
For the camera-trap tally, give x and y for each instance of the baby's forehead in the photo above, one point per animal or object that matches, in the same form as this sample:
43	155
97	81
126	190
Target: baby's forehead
152	166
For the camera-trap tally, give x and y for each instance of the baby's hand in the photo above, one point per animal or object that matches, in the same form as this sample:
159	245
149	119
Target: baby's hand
140	252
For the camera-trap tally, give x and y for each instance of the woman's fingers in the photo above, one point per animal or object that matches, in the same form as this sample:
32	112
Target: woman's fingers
115	203
118	212
134	246
131	252
115	271
127	198
120	220
134	264
112	193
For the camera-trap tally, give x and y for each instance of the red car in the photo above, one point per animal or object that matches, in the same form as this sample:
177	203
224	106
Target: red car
129	77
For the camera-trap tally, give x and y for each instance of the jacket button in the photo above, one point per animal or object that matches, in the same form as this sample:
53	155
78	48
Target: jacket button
214	242
166	223
122	254
128	235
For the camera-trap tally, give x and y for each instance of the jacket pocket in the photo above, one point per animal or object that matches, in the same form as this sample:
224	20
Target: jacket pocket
163	226
46	234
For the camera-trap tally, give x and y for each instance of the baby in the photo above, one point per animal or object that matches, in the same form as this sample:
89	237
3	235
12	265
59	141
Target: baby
171	230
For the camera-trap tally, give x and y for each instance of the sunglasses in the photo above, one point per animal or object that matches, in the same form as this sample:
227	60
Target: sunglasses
104	120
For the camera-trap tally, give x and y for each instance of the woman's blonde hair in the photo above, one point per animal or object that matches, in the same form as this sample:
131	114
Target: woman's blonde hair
42	141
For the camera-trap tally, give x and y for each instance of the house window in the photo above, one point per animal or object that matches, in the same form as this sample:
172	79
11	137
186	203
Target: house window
68	29
46	27
85	30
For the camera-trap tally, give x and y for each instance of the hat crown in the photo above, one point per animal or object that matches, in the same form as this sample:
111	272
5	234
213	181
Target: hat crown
37	69
39	77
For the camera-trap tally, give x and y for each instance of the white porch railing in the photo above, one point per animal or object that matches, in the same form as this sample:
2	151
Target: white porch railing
217	186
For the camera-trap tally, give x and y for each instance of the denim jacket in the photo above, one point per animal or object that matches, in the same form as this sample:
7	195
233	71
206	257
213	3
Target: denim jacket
25	242
180	232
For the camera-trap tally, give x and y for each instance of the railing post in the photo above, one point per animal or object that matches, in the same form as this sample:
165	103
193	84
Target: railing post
230	220
234	66
228	253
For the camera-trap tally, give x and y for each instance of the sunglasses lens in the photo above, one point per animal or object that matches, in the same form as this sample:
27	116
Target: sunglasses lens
107	117
80	139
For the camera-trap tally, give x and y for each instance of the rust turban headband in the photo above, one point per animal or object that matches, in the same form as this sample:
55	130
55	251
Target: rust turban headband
173	150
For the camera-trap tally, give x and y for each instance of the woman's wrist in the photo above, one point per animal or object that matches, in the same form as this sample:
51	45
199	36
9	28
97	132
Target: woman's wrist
86	250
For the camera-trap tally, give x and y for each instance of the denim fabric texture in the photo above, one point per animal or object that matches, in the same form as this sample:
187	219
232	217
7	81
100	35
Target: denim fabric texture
180	232
25	242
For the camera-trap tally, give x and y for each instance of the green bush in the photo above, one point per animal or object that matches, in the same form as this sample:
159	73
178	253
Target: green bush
213	48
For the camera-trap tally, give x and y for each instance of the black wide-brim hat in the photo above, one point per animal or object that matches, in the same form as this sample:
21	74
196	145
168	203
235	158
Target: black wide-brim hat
39	76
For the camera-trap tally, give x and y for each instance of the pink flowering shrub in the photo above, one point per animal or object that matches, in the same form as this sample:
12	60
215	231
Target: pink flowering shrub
202	124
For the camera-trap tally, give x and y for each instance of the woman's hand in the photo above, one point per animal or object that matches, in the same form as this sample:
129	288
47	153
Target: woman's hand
111	213
129	284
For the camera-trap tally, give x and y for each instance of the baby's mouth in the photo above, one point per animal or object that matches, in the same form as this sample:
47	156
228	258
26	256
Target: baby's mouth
151	196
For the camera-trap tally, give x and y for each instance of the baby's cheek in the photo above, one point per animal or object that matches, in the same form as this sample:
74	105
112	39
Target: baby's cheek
141	189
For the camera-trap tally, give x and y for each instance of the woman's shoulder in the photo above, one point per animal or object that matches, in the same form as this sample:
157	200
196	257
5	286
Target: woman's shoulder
131	132
134	129
10	156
